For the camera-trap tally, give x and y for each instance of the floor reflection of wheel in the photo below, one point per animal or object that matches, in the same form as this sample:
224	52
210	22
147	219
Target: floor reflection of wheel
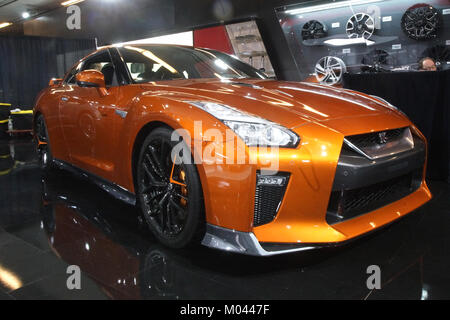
421	21
360	25
329	70
313	29
42	144
158	278
169	192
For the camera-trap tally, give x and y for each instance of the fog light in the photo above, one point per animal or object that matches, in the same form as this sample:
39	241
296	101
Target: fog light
271	181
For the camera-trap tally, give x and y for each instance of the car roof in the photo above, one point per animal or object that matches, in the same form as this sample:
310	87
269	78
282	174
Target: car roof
133	44
139	45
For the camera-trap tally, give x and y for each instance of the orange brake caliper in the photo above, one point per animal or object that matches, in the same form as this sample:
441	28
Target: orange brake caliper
182	184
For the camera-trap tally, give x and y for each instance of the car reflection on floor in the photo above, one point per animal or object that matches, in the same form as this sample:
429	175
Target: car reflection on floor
78	224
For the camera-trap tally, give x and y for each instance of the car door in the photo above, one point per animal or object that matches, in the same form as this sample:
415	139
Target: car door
87	118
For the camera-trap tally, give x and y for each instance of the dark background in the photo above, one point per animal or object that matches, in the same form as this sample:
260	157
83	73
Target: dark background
120	21
28	63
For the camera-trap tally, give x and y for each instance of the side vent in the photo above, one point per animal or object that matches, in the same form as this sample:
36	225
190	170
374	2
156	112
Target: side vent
269	194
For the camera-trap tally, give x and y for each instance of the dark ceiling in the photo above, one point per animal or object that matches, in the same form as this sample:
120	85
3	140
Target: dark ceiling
11	10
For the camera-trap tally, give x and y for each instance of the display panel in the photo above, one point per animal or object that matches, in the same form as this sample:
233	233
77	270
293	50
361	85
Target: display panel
328	38
242	39
248	45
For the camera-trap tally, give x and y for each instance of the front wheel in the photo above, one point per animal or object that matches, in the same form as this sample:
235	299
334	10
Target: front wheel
44	152
169	192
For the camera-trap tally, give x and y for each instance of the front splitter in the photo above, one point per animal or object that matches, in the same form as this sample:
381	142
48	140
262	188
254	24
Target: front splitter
245	242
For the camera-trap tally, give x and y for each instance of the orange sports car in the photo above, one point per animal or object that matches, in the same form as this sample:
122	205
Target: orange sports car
212	151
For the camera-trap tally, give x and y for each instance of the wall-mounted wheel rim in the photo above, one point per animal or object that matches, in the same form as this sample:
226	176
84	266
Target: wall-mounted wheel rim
421	22
360	25
329	70
313	29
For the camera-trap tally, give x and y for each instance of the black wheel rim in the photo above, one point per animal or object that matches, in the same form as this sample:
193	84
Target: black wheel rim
163	189
43	149
421	22
313	30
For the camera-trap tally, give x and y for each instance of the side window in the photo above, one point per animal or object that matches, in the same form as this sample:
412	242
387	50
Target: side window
102	62
146	66
139	66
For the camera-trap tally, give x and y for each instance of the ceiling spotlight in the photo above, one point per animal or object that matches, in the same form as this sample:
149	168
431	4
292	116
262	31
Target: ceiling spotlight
70	2
5	24
25	15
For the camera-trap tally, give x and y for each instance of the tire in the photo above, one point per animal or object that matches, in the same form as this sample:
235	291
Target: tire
173	209
44	151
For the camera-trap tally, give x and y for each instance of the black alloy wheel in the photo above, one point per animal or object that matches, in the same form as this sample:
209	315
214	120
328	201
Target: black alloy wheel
44	153
313	29
169	192
421	22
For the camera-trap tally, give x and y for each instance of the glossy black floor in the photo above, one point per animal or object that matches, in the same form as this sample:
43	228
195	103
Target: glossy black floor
48	224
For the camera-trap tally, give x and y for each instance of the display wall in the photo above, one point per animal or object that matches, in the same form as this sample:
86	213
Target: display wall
365	35
213	38
241	39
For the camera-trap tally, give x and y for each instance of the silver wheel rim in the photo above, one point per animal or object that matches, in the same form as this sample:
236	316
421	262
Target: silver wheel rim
360	25
329	70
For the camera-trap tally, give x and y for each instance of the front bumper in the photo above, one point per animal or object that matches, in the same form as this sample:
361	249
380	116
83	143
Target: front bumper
244	242
247	242
321	168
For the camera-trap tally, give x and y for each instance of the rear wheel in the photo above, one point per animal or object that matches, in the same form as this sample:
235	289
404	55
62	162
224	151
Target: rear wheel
44	153
169	192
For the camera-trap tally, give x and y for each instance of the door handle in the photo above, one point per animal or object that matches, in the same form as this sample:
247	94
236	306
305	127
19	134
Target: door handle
64	99
104	111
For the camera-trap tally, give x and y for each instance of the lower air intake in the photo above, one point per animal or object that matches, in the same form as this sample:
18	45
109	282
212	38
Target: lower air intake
268	197
347	204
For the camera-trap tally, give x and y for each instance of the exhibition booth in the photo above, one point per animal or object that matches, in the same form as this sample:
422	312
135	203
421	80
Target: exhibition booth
224	149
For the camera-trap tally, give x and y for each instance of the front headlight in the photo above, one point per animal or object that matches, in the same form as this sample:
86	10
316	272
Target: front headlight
256	134
254	131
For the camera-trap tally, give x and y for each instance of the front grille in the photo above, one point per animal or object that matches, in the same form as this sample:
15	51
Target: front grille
347	204
267	201
372	139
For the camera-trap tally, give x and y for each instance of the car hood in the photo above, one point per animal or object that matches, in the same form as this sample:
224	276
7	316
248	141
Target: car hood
290	104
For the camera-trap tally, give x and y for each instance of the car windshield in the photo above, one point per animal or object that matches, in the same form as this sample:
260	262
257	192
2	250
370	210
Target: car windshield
157	63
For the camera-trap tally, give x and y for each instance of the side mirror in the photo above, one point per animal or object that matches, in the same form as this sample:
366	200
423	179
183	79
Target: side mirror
92	79
54	82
